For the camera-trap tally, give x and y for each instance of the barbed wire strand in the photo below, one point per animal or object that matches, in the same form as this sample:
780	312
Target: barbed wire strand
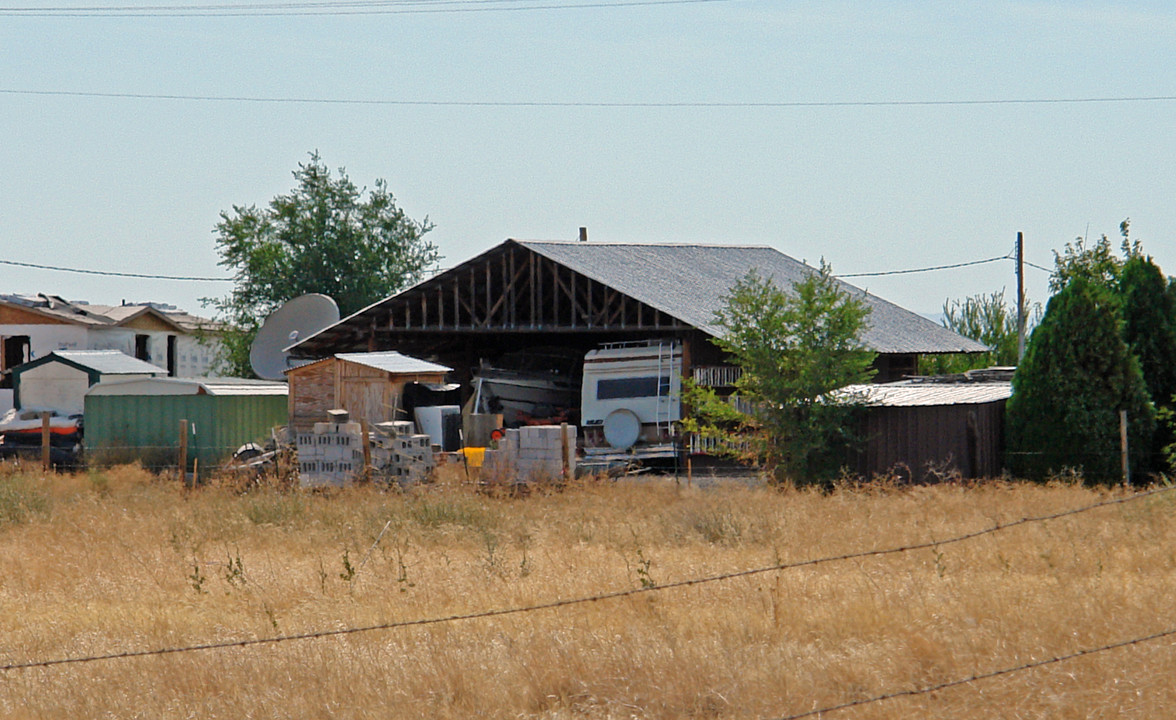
982	676
501	612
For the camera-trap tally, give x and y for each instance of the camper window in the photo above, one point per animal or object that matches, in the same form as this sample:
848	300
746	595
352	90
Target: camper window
632	387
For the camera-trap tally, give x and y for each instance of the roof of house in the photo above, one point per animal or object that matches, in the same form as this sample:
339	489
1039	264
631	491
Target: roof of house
104	362
390	361
82	313
689	282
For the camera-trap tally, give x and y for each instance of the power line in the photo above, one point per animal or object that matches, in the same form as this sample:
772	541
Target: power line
376	7
925	269
223	279
483	614
589	104
115	274
984	676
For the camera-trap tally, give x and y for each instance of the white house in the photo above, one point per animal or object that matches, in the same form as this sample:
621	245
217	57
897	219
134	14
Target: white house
32	326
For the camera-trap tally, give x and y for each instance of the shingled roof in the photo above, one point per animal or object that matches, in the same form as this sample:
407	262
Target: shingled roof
690	281
686	282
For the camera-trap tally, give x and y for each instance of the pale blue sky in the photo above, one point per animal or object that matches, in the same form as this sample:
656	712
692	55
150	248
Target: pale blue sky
136	185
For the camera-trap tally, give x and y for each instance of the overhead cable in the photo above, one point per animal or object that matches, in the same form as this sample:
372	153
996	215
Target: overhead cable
115	274
335	9
784	104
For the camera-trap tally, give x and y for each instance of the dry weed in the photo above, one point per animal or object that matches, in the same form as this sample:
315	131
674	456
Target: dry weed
122	562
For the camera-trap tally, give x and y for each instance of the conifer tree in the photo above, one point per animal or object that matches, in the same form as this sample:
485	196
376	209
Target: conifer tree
1077	374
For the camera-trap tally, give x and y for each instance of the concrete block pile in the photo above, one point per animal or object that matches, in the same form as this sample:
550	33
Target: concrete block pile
332	455
531	454
400	454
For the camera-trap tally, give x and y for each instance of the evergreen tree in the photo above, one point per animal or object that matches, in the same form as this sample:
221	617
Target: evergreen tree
1149	325
1077	374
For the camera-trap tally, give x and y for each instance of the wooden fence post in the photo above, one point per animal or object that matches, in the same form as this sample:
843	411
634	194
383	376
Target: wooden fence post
565	461
46	437
184	450
365	432
1126	458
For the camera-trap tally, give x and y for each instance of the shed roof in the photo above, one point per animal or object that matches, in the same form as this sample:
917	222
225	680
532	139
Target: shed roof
907	393
189	386
690	281
104	362
388	361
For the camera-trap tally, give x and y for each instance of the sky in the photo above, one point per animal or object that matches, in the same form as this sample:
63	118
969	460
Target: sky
878	136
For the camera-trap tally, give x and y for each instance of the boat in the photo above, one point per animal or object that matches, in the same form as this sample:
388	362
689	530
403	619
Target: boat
536	383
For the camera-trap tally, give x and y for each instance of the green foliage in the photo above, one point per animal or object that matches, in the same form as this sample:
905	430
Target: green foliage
21	499
1149	325
325	236
794	348
1096	263
1077	374
987	319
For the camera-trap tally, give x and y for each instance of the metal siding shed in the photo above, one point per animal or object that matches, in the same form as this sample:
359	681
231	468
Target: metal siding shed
141	419
924	432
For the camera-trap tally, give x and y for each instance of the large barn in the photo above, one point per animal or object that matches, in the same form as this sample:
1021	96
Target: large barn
578	295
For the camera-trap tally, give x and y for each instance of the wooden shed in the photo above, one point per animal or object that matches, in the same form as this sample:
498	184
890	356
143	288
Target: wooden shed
926	431
370	386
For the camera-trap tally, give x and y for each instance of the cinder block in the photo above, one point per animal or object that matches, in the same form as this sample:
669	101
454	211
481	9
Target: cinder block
338	416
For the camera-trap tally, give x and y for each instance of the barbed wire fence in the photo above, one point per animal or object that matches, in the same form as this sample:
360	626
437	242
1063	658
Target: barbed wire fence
680	584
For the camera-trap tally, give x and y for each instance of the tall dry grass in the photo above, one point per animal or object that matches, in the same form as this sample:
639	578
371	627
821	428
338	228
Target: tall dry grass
123	562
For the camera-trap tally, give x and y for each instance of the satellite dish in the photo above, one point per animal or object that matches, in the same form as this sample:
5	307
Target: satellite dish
621	429
297	319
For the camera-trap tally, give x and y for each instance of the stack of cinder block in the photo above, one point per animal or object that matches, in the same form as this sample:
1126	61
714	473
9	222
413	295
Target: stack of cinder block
332	454
400	454
535	453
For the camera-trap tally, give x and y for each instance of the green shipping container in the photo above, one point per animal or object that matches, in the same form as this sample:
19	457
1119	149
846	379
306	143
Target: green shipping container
141	419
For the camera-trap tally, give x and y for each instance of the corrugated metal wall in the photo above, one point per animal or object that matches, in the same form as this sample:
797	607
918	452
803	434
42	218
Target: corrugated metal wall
931	443
147	428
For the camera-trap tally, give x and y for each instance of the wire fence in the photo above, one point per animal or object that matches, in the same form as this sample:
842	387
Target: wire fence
661	588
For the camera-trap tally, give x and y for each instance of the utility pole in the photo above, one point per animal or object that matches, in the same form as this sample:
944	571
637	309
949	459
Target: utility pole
1020	296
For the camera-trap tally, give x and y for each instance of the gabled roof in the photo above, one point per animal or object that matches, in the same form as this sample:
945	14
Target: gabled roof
103	362
690	281
81	313
683	281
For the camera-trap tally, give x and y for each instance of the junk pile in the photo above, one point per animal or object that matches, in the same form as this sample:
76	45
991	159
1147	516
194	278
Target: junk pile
530	454
333	454
21	436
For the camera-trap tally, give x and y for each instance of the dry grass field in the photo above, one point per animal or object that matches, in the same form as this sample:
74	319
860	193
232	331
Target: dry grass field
123	562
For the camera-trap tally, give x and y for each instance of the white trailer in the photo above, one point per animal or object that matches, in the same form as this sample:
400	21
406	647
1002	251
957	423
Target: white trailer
631	395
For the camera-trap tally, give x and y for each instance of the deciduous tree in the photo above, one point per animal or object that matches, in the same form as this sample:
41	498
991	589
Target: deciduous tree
326	236
795	348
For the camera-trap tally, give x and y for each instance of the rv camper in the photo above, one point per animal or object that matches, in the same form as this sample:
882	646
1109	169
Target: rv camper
631	395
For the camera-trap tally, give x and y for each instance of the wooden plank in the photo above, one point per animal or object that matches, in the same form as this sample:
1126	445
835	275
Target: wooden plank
531	287
511	294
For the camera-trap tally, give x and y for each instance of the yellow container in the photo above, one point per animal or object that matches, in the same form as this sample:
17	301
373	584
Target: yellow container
474	456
